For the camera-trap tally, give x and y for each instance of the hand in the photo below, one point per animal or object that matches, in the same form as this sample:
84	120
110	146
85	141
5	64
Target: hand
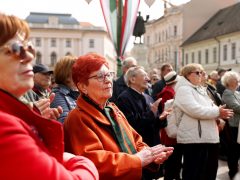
165	113
67	156
44	107
221	124
154	106
157	154
145	155
163	156
161	153
225	113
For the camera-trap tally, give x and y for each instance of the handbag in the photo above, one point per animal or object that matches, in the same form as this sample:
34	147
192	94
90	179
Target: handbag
173	119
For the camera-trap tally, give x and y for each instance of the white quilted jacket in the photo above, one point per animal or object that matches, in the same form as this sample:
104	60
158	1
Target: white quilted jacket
198	123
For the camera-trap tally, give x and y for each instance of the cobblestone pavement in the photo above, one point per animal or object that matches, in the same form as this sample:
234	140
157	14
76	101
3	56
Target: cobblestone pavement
222	171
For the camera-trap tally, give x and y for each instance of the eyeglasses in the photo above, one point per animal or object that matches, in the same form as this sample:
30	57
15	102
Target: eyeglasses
198	73
19	49
101	77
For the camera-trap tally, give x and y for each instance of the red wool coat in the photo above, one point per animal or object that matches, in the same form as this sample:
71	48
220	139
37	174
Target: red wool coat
31	147
166	94
88	133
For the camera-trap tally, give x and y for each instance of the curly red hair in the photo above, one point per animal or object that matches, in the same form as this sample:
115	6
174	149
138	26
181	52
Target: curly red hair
85	65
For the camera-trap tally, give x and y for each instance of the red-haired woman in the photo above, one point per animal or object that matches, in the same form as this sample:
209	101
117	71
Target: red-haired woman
98	130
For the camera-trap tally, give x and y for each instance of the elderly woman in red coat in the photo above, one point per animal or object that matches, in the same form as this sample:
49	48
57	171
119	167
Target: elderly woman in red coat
31	147
98	130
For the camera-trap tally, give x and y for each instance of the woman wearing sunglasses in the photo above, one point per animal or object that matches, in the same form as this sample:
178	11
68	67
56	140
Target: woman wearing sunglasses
31	147
197	131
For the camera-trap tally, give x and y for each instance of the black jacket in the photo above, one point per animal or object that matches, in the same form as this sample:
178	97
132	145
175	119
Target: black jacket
136	108
118	87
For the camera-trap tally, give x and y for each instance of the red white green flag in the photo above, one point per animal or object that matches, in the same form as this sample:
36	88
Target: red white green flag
120	17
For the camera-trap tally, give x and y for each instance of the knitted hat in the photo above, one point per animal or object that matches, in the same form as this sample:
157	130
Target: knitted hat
171	77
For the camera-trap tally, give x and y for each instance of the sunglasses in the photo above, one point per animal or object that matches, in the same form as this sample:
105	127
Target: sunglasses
198	73
19	49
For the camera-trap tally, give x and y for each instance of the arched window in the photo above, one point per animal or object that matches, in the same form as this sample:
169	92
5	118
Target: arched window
53	58
38	58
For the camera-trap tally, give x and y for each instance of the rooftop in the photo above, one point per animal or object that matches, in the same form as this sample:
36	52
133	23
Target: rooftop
225	21
43	18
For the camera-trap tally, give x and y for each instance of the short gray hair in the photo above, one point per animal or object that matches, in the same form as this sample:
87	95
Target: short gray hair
229	75
127	61
131	72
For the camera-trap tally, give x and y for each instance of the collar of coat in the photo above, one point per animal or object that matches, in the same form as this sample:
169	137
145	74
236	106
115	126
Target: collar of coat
86	105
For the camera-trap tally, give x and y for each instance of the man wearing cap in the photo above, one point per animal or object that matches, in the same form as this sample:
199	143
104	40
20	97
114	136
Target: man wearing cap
42	80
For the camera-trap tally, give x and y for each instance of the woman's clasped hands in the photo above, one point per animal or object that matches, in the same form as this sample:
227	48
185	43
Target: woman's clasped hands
157	154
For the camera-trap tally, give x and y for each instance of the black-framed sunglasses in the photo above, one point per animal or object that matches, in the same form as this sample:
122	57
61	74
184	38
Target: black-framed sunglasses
101	77
19	49
199	73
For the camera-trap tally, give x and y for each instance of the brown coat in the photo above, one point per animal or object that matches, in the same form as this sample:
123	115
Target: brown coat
88	133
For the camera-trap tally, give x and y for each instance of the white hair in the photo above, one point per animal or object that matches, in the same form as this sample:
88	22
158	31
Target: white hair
131	72
128	60
228	76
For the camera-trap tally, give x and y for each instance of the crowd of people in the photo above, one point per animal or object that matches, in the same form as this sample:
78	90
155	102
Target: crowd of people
90	125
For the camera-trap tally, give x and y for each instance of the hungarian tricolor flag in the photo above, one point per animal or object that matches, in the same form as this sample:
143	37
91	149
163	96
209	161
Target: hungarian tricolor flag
120	17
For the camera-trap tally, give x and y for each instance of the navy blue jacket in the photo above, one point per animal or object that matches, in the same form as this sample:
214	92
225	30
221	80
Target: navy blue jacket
136	108
66	98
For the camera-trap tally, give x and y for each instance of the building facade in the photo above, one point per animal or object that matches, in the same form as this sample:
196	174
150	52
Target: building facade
57	35
165	35
217	43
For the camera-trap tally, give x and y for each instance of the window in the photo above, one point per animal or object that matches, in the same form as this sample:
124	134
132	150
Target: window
53	42
38	58
206	56
162	55
156	56
91	43
215	55
148	40
186	59
166	55
225	52
199	57
68	43
53	58
175	59
175	30
193	57
38	42
233	53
